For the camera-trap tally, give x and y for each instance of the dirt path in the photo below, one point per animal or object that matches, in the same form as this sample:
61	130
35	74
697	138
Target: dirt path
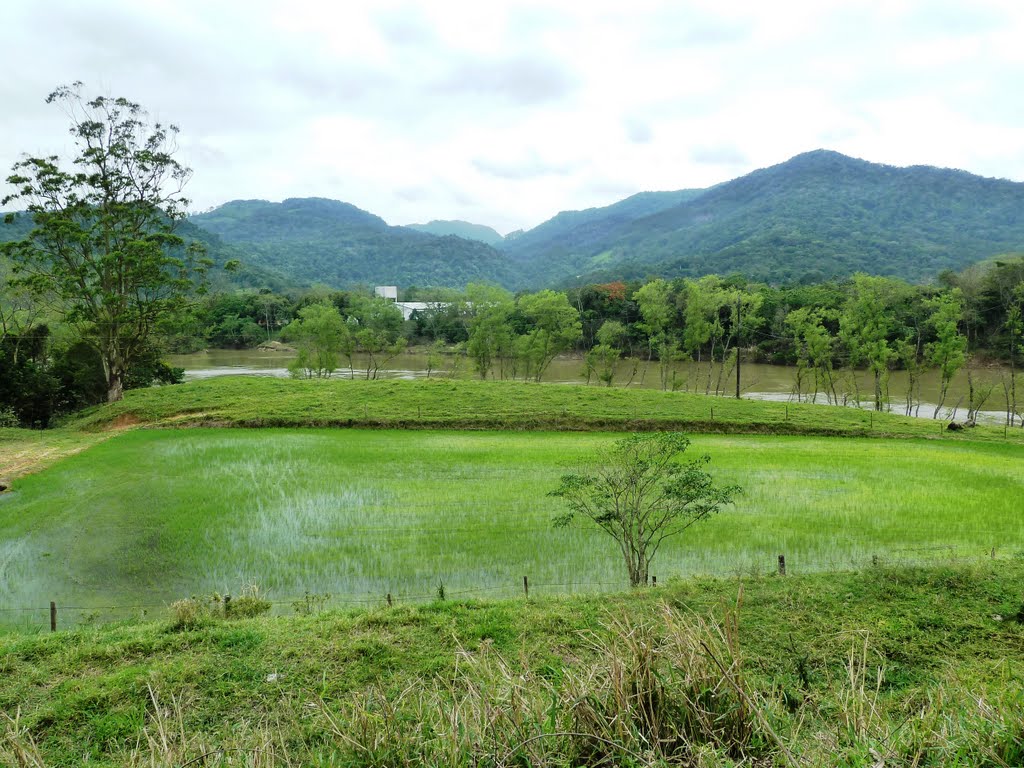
24	451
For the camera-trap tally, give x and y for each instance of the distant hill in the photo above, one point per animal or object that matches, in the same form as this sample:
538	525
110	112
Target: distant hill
818	215
249	275
815	216
561	240
461	229
327	241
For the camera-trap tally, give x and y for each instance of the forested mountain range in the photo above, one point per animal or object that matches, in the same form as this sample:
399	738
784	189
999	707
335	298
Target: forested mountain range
816	216
462	229
327	241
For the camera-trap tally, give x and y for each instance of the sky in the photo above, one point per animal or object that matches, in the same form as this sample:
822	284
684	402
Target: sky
505	112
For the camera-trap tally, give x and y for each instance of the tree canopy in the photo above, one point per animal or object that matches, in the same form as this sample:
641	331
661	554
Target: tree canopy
102	249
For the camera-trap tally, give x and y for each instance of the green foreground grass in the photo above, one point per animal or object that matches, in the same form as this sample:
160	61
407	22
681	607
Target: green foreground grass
448	404
893	667
150	516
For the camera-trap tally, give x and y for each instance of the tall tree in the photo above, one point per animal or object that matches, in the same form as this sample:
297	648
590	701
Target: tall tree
320	335
865	325
103	246
555	328
948	352
488	310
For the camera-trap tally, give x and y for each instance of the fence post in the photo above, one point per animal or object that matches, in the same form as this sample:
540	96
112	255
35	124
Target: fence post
389	600
654	581
993	553
526	587
227	604
712	413
782	565
53	616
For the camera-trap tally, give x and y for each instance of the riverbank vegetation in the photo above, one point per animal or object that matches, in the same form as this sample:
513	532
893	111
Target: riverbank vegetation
828	333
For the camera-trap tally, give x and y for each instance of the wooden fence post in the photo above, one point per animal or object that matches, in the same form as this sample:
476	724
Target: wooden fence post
782	565
526	587
389	600
53	616
654	581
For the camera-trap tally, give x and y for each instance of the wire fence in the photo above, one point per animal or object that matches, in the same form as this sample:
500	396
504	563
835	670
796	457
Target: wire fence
58	615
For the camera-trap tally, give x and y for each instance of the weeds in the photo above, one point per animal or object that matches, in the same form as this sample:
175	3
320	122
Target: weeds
196	612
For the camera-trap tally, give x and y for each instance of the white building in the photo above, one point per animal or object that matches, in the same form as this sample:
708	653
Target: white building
390	293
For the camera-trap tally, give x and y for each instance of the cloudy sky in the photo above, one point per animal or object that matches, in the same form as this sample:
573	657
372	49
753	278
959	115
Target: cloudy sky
505	112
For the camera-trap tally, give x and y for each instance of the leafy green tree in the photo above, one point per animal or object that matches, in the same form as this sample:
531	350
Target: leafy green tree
554	328
488	310
638	493
948	352
103	247
865	325
602	358
1014	326
378	333
319	334
658	311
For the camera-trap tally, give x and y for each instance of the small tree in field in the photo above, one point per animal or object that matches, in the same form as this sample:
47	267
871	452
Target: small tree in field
640	494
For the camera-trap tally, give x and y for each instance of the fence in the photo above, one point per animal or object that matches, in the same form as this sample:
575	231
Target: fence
34	618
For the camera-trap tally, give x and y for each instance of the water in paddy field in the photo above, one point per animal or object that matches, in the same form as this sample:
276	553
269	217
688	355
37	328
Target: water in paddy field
758	382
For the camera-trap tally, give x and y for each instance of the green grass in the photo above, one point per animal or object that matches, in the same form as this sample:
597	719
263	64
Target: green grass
463	683
261	402
153	515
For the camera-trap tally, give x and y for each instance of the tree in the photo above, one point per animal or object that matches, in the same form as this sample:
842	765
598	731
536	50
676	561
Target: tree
657	309
640	495
864	327
948	352
320	335
556	327
103	246
378	328
603	356
489	336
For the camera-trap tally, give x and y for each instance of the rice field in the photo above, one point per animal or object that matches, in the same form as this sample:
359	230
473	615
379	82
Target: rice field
150	516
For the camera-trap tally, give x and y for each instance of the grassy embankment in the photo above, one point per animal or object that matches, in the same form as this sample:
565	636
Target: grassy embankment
885	667
154	515
442	403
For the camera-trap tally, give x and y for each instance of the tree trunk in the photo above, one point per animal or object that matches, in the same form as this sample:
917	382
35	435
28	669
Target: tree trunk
115	387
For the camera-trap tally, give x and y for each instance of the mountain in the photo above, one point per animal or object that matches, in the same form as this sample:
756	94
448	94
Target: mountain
327	241
818	215
462	229
558	240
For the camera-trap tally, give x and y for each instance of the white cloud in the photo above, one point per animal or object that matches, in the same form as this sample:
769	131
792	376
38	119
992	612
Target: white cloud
506	112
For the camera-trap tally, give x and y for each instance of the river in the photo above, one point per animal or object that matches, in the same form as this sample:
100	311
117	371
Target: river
757	381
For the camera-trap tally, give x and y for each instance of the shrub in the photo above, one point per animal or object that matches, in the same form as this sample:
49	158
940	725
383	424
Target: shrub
190	613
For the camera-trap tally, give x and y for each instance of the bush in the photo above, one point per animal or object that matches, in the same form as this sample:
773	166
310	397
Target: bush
190	613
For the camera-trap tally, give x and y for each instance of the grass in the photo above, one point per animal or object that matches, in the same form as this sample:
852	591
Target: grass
154	515
263	402
23	451
894	667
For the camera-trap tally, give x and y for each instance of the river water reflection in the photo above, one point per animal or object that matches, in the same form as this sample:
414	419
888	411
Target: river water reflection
757	381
